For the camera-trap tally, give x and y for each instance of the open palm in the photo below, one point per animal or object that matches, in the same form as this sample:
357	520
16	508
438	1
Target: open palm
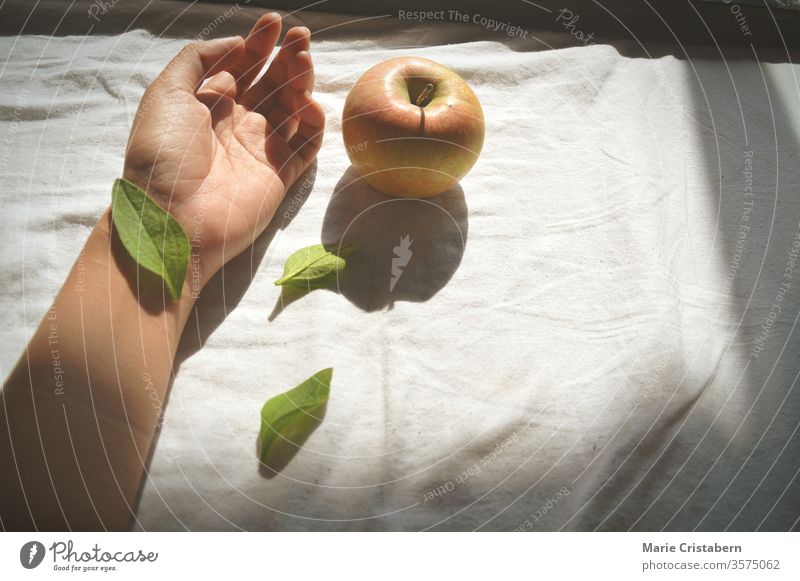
220	155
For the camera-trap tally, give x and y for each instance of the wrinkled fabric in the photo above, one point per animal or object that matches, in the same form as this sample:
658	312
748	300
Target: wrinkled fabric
589	332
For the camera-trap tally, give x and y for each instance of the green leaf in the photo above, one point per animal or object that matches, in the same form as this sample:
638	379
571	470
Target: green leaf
288	418
314	266
150	235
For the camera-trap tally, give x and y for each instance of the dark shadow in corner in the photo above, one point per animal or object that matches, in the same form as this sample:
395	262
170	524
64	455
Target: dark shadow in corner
226	289
285	447
754	110
407	248
744	119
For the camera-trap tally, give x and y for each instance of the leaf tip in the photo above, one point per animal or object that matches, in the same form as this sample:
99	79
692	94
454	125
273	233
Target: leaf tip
174	291
325	375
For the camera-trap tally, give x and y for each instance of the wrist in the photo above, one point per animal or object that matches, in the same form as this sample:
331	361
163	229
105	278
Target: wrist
105	247
202	259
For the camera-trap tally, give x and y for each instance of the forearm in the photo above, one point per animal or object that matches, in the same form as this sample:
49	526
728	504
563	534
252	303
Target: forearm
79	412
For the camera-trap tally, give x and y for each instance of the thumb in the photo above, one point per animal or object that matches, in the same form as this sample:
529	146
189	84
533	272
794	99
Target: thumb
199	60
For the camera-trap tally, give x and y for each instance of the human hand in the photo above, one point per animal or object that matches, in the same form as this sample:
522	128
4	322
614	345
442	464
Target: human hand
220	157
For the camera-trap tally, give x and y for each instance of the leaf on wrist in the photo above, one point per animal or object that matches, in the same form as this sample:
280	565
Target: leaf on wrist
289	418
314	266
152	237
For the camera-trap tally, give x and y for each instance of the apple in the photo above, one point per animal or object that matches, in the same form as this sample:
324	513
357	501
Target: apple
412	127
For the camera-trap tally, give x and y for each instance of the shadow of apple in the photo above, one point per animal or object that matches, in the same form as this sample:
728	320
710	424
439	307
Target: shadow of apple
407	248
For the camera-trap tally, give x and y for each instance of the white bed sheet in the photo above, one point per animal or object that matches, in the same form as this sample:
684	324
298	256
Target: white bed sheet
569	346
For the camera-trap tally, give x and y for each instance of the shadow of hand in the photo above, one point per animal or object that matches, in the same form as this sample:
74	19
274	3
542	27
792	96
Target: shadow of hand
227	287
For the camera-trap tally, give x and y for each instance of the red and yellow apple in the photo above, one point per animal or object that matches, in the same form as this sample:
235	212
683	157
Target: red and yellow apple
412	127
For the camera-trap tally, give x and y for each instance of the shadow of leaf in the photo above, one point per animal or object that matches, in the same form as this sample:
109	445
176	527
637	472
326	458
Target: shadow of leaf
288	443
289	294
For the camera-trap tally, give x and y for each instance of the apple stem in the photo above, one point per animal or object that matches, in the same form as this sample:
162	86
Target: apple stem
424	94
